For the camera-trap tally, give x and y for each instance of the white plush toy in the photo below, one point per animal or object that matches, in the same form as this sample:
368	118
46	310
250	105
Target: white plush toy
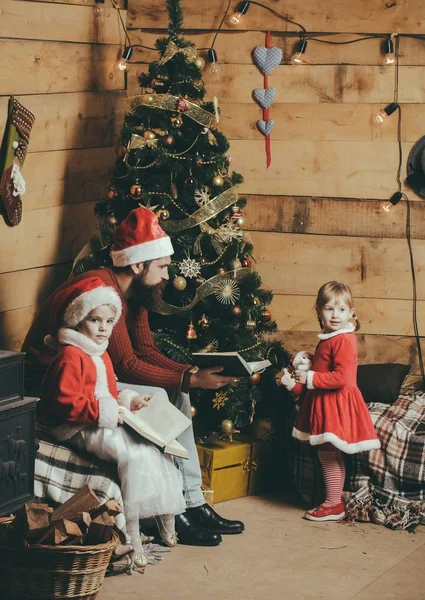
301	362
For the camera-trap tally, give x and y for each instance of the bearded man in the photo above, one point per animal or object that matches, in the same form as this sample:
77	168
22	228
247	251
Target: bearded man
141	255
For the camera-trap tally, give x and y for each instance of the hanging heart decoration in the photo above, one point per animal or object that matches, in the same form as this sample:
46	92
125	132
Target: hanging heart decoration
265	126
265	97
267	59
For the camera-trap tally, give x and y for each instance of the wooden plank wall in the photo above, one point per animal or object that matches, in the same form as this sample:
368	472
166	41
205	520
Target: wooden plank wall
60	62
315	214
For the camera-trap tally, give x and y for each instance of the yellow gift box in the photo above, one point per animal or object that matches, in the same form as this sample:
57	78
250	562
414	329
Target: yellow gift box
232	469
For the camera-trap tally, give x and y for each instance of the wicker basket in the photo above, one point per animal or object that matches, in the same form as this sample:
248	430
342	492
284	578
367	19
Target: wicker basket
54	571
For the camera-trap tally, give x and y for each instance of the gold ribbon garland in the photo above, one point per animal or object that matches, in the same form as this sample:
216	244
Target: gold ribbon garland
204	290
206	212
169	102
172	49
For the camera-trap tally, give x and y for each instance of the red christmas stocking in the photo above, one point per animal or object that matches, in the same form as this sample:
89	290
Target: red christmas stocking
12	156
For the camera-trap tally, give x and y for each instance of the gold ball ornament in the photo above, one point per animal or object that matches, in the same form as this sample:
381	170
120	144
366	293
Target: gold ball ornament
163	214
180	283
190	182
204	322
220	270
159	85
136	191
239	221
191	333
193	411
227	426
250	324
217	181
111	220
246	262
150	99
203	260
199	62
256	301
255	378
177	122
148	134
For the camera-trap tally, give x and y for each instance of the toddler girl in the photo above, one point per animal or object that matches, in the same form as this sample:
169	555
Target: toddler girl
81	404
333	414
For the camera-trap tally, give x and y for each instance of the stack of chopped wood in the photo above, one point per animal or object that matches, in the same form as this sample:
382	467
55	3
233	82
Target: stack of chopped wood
81	520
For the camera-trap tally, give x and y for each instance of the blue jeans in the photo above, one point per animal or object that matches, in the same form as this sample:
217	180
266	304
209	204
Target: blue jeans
188	467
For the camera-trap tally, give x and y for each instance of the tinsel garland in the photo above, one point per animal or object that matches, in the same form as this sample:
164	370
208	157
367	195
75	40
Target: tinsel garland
170	103
204	290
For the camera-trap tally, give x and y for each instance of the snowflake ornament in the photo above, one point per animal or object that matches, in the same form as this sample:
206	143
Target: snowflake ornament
202	196
190	268
220	400
227	291
229	231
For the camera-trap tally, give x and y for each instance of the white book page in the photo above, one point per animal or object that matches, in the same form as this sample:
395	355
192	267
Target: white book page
259	365
162	419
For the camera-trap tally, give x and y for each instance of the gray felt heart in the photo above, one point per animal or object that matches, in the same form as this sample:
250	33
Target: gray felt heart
265	97
265	126
267	59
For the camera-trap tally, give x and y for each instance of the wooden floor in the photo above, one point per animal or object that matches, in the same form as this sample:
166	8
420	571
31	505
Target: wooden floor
281	556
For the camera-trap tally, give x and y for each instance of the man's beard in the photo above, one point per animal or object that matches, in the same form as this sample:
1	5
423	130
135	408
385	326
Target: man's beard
148	296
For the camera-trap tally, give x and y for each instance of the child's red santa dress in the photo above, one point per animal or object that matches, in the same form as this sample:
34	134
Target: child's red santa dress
332	408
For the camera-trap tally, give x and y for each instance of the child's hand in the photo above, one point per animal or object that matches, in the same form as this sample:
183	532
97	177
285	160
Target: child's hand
301	376
139	402
287	378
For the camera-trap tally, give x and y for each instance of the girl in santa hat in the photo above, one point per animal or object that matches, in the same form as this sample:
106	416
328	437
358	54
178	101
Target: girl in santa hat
81	404
333	415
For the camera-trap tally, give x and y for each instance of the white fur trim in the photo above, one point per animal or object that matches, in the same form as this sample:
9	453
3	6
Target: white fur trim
309	381
126	396
349	329
291	385
159	248
108	406
108	412
79	340
316	440
86	302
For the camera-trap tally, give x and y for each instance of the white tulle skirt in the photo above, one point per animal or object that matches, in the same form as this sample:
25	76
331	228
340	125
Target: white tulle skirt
151	485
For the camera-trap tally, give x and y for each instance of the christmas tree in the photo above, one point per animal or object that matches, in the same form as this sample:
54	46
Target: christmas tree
174	160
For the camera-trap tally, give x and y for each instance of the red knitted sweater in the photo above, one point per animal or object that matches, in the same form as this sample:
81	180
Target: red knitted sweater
134	355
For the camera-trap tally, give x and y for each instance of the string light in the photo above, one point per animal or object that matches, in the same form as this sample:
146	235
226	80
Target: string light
389	56
98	8
298	57
237	16
386	112
212	59
126	55
389	205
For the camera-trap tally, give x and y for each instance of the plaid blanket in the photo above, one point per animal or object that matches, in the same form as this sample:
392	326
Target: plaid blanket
387	485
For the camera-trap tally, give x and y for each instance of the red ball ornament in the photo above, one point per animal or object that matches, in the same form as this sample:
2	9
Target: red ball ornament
246	262
136	191
203	260
266	315
236	310
112	194
255	378
169	140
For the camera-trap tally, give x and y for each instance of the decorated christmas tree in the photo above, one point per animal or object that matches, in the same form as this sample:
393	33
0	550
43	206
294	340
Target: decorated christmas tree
174	160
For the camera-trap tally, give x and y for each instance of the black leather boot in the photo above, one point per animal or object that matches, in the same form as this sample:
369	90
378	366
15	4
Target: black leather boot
206	517
191	533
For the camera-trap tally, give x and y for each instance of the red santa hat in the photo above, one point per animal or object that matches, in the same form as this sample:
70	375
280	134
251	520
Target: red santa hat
71	305
139	238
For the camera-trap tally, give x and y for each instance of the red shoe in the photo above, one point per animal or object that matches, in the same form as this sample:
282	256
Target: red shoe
326	513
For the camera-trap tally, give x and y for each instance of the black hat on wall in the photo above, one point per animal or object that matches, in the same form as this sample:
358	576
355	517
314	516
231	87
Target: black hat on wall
416	167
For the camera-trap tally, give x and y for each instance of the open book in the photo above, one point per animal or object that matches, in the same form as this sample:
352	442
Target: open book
233	363
160	422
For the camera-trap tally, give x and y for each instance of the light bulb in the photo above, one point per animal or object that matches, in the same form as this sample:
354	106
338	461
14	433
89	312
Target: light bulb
237	16
126	55
389	56
389	204
212	58
298	57
386	112
98	8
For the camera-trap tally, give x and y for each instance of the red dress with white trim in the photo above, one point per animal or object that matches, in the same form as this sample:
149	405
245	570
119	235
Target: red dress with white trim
332	408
